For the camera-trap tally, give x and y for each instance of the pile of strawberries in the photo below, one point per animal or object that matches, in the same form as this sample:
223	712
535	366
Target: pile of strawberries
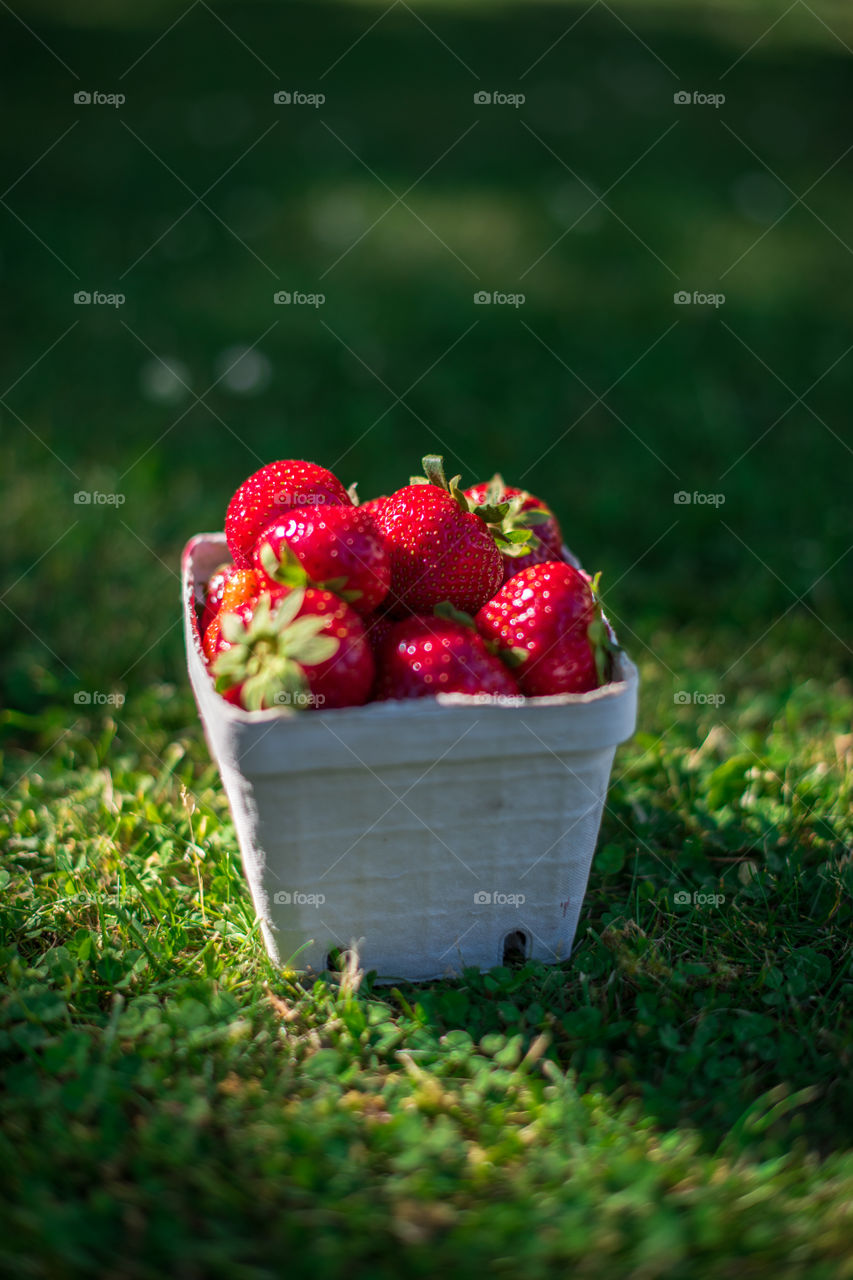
328	603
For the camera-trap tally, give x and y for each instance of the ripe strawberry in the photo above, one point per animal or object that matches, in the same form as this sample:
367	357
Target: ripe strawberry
294	648
441	548
423	656
228	587
552	611
239	585
275	489
211	594
373	505
337	548
378	627
525	512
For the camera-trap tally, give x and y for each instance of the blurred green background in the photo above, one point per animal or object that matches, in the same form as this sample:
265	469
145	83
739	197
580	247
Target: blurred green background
400	197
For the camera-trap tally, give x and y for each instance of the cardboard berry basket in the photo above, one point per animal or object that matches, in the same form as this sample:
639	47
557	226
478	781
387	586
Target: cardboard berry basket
434	834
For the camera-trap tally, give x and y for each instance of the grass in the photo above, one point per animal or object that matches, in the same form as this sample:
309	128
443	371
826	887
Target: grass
676	1100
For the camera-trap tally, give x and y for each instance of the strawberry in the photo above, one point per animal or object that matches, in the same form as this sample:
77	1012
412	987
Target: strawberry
426	655
378	626
552	611
373	505
296	648
337	548
239	586
276	488
441	548
211	595
525	512
228	587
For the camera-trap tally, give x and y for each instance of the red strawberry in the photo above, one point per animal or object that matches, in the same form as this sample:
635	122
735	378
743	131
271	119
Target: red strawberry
240	585
227	588
440	548
211	597
526	512
301	648
337	548
373	505
552	611
423	656
378	627
275	489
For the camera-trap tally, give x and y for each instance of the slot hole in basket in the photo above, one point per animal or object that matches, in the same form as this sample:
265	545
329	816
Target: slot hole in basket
515	949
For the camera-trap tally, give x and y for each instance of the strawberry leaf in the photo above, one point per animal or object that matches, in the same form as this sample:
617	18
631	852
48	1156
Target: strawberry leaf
317	649
532	516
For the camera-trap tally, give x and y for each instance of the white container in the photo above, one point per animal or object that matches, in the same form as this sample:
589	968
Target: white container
433	834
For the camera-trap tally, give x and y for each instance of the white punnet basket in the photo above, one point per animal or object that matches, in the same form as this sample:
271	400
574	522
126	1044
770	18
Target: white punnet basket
432	834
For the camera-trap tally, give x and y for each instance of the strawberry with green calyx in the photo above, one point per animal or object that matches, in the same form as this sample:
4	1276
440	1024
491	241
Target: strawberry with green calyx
439	548
270	492
338	549
524	511
513	537
553	612
294	648
426	655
